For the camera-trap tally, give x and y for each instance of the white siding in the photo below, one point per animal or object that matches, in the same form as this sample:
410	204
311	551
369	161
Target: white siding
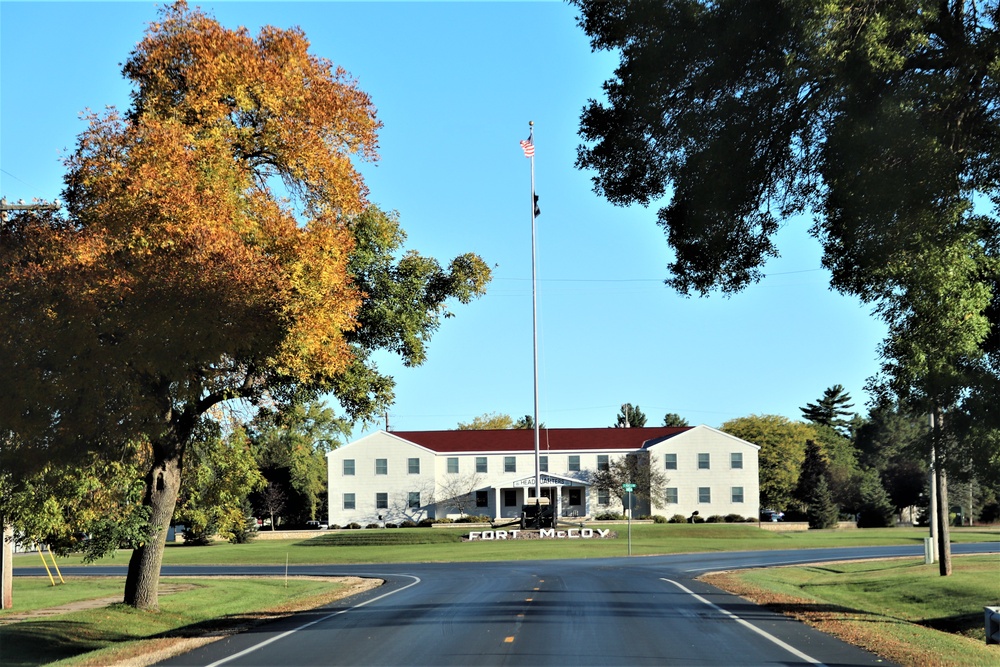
436	485
720	478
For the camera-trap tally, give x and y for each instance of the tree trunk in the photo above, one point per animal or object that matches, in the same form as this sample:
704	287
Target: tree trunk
6	565
162	487
941	518
944	535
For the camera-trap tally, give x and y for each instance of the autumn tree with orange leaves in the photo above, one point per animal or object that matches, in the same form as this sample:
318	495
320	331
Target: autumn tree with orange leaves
217	245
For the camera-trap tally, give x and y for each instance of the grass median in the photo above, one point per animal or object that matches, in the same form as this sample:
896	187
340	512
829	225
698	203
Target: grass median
900	609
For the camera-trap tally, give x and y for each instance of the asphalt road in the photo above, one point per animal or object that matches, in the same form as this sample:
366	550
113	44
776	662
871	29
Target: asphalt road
621	611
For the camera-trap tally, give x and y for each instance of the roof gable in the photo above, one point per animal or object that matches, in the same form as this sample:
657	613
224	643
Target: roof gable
552	439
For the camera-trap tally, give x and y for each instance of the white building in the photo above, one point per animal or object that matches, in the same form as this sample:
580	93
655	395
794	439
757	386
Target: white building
412	475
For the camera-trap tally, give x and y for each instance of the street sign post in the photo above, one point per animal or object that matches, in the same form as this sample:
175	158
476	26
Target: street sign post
629	488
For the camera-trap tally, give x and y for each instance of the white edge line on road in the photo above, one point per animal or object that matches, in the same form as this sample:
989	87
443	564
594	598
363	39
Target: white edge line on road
791	649
416	580
797	561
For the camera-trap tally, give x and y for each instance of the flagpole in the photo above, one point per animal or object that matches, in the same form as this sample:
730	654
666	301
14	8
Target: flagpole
534	315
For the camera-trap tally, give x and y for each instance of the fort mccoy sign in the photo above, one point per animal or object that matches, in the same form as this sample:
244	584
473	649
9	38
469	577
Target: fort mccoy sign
542	534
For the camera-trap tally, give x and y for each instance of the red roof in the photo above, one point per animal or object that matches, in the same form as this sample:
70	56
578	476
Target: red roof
550	439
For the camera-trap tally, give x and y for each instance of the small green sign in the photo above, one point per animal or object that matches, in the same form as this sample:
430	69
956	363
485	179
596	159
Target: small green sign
628	487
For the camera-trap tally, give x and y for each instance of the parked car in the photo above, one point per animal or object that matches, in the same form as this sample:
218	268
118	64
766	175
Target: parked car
771	515
317	525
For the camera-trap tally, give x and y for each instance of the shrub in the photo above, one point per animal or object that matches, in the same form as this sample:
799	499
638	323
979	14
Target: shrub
427	522
474	518
715	518
335	526
391	525
659	518
609	516
750	519
408	524
353	526
734	518
696	519
678	518
373	525
443	520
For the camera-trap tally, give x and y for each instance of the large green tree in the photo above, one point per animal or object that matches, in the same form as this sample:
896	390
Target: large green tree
290	444
217	245
831	410
878	118
782	445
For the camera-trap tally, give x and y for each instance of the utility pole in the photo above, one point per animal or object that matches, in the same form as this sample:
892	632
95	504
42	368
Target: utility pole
7	530
21	205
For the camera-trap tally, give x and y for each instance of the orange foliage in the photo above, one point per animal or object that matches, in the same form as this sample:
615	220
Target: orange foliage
205	253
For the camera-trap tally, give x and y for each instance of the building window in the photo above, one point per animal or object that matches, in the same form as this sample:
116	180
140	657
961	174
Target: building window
381	466
453	465
348	466
574	463
704	494
348	501
543	463
381	501
704	461
510	464
482	498
737	494
603	497
510	497
736	460
576	496
413	466
671	495
481	464
413	501
602	462
671	461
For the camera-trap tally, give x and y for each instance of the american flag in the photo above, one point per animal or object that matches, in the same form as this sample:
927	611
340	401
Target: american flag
528	146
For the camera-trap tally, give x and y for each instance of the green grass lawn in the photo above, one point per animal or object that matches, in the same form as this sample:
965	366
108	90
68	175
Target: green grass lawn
902	609
103	635
116	629
444	545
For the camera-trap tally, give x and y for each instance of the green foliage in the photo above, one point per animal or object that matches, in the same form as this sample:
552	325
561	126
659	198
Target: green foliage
403	304
878	119
678	518
95	507
821	511
831	410
290	444
876	509
782	445
222	472
610	516
630	416
659	518
674	419
487	421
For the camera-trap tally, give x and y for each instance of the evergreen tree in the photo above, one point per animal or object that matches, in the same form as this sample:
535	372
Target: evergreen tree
813	489
821	511
674	419
630	416
831	410
876	509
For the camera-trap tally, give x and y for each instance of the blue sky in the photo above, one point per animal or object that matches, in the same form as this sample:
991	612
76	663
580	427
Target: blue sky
455	84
